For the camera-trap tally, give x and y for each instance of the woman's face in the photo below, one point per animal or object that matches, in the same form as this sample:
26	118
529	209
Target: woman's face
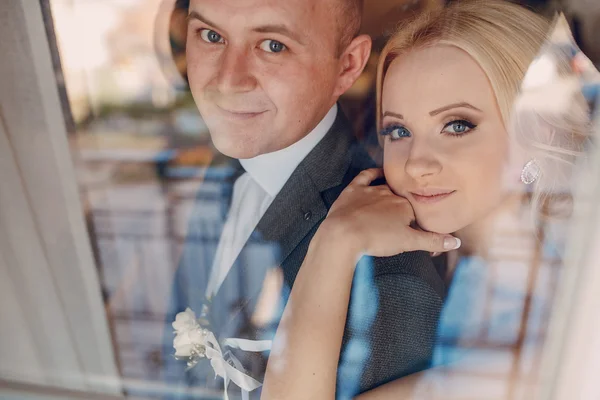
446	147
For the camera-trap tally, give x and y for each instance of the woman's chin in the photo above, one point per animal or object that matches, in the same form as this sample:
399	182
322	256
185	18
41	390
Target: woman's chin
439	225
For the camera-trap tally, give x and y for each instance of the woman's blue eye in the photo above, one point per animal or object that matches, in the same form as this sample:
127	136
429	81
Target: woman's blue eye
396	132
458	127
211	36
272	46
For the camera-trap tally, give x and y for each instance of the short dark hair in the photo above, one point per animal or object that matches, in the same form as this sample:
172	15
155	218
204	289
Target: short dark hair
350	12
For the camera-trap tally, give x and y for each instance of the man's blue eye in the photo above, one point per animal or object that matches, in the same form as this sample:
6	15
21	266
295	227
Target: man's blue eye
396	132
211	36
272	46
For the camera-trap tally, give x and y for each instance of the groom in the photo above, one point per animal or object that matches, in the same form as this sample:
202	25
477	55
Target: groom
266	76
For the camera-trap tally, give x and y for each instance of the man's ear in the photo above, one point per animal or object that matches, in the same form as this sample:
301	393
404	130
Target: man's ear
353	61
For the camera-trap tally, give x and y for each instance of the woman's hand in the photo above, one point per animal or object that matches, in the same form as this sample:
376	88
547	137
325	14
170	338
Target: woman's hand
373	220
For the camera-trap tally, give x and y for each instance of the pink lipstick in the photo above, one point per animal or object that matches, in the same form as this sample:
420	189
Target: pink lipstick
431	195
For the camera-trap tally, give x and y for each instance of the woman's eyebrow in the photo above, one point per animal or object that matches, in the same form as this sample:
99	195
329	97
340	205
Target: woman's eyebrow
451	106
393	114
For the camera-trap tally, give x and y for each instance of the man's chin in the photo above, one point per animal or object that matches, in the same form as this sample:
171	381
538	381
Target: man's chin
237	149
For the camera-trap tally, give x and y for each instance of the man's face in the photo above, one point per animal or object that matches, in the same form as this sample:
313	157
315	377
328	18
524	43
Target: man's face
262	72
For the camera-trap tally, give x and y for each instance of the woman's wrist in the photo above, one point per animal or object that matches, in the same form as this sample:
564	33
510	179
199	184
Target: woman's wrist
334	249
340	238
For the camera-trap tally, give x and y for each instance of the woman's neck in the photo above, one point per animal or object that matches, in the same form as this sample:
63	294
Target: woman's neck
477	238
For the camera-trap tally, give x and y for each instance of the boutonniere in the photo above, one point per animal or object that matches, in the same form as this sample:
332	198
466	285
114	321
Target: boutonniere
190	338
194	341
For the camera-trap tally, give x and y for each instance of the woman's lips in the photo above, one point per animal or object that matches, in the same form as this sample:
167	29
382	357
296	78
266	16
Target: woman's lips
431	197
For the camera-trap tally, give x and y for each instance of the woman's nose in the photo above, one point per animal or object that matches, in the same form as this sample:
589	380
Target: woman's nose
422	161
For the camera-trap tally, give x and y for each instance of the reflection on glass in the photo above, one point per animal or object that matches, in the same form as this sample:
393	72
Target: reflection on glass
141	150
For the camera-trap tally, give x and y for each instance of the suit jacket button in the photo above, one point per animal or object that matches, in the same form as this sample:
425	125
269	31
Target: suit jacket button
307	215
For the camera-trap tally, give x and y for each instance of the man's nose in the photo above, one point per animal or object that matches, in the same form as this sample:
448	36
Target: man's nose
235	72
422	161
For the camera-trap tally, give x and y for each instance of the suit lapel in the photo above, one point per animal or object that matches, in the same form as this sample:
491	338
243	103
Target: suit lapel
300	206
296	210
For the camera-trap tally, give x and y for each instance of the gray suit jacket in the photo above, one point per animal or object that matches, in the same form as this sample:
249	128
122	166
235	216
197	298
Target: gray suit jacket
395	301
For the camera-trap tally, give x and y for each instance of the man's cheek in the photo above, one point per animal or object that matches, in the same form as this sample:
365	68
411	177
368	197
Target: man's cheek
279	93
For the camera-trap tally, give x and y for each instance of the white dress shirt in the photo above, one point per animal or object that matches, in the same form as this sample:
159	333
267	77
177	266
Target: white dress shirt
253	193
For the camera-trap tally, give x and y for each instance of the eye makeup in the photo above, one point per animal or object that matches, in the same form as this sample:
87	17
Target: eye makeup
395	132
458	127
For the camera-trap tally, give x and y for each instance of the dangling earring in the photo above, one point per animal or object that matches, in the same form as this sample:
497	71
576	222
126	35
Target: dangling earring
531	172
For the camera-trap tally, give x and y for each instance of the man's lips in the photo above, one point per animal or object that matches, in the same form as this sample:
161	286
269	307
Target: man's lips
241	114
429	196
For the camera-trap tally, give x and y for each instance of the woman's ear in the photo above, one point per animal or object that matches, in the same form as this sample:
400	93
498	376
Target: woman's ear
353	61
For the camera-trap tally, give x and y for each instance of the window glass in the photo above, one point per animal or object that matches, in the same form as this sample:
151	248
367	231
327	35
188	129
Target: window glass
157	193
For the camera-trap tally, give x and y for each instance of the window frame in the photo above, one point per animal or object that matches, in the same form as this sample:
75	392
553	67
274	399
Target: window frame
45	249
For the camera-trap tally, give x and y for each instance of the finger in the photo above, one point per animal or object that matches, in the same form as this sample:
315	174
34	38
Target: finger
431	242
364	178
385	192
380	189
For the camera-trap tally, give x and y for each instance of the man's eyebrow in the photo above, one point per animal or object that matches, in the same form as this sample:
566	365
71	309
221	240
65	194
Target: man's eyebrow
275	28
393	114
451	106
280	29
195	15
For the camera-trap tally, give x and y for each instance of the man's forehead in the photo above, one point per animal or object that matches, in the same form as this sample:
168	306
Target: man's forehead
284	8
308	23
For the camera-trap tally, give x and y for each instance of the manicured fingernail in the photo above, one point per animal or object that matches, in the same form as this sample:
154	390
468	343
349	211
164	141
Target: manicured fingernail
451	243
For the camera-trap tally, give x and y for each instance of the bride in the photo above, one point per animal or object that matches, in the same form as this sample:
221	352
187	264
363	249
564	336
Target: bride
447	82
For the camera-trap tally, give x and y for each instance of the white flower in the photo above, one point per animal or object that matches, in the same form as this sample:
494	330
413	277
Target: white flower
186	342
190	337
185	321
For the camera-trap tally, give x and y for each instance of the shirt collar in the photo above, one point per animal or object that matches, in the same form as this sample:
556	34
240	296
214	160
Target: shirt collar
272	170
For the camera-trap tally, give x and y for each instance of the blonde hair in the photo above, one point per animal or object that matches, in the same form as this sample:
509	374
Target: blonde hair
503	38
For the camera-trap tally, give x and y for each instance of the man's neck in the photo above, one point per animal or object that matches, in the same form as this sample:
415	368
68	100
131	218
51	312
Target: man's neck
272	170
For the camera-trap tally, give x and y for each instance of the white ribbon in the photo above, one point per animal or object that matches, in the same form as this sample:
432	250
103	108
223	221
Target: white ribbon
234	372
